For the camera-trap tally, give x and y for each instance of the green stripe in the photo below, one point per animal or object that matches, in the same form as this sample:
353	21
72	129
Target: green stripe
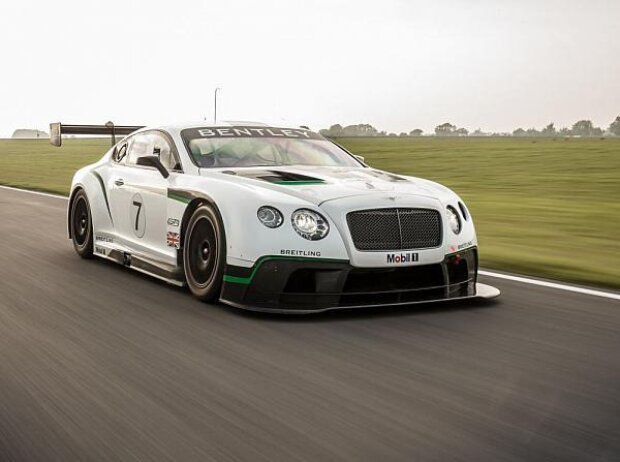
260	261
298	182
179	197
237	280
105	194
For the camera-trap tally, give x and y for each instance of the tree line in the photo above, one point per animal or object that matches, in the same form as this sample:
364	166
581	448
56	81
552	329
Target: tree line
581	128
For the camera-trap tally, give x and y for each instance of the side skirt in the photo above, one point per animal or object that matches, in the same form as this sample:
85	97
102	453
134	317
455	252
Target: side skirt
171	274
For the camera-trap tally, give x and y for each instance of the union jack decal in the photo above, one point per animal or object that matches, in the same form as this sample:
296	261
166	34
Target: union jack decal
172	240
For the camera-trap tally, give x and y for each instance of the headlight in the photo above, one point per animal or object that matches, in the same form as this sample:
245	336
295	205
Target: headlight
453	219
309	225
269	216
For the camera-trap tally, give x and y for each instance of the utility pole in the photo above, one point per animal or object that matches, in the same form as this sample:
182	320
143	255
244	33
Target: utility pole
215	105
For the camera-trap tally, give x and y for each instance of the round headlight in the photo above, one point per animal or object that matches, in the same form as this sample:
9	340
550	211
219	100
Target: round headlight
453	219
270	216
309	225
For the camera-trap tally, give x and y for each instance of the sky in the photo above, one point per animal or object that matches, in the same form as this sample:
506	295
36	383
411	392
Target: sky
396	64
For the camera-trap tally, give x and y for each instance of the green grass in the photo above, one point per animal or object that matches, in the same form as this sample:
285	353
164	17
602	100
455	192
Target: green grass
541	207
36	164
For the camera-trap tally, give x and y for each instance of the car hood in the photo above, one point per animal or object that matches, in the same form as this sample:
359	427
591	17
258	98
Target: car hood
321	184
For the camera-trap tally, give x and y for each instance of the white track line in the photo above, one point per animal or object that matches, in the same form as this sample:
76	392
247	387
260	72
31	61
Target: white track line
552	285
57	196
522	279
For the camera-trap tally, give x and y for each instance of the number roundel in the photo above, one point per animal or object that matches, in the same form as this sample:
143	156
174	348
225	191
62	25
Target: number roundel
137	215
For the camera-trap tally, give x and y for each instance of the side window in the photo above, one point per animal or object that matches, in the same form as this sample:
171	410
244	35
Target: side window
167	156
141	145
152	144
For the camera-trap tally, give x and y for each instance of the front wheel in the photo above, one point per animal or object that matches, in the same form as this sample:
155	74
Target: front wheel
204	247
81	225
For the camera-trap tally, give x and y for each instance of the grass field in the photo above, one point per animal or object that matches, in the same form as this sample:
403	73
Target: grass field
38	165
542	207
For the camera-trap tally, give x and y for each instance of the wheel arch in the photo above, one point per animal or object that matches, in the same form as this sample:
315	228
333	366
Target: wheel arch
187	214
77	188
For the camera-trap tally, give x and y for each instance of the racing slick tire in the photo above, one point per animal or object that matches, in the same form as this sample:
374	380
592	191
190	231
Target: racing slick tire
204	258
81	224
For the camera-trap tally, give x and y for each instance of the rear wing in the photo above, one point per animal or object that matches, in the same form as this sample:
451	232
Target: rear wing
57	130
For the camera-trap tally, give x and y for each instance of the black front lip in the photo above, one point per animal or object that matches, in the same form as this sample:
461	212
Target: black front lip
306	285
262	309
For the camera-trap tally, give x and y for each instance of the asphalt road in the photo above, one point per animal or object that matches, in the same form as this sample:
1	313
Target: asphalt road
101	363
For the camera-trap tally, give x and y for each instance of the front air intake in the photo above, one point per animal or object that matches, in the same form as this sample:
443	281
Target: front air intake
395	229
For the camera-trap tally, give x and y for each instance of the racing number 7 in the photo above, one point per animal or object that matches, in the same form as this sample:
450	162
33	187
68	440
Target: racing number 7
139	205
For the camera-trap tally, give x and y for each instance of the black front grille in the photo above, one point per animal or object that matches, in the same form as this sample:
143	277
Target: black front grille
395	229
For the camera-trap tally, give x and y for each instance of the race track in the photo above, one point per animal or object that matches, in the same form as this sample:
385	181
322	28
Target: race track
101	363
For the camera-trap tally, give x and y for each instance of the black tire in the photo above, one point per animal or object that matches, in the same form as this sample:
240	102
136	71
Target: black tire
204	253
81	223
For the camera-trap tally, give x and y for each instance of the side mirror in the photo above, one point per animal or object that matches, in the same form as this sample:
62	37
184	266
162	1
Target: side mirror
360	158
153	161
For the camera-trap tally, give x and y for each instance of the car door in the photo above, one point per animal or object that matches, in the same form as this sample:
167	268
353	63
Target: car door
140	199
110	175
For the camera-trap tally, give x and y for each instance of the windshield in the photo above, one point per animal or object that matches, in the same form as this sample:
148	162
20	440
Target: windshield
216	147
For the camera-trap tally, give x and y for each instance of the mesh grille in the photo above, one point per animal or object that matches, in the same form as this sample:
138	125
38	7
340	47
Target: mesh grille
395	229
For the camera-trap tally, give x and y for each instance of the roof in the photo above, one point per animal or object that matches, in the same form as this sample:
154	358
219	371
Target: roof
228	123
220	123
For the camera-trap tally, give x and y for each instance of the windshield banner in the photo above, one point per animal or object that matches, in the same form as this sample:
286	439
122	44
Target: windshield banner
250	132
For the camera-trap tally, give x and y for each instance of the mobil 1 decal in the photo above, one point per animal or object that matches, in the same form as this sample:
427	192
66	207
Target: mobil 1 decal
137	217
250	132
408	257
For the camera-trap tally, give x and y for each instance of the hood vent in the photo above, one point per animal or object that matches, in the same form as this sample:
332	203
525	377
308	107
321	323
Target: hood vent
276	177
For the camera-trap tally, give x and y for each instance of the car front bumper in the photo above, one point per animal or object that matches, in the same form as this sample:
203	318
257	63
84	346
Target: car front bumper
305	285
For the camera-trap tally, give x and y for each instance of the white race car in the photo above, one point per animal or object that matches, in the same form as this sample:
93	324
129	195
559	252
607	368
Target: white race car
270	219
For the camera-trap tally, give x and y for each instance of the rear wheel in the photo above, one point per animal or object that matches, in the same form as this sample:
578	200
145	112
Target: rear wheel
81	225
204	253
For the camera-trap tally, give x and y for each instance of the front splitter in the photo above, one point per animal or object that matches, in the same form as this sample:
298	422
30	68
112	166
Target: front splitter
483	291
